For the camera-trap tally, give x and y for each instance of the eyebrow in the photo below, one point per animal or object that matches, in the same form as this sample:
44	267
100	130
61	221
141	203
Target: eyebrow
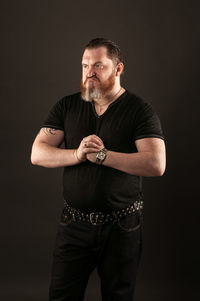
98	62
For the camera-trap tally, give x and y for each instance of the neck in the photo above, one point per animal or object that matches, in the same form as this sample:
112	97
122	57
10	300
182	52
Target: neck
112	96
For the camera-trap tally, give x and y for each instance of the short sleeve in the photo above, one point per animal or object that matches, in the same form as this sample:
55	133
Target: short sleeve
55	117
147	123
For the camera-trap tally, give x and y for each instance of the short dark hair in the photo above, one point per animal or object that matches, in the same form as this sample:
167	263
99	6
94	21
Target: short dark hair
113	50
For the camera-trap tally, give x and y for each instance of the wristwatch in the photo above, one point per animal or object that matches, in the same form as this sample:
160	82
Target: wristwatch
101	156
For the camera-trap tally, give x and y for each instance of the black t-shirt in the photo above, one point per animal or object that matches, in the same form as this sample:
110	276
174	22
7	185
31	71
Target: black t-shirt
91	187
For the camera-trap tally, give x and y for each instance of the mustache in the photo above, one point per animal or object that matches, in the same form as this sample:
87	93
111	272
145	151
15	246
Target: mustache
93	76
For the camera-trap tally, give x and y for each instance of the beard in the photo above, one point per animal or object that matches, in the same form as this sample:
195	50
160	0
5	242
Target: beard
90	91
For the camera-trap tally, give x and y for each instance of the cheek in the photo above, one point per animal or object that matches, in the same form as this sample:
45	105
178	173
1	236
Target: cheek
101	76
106	74
83	76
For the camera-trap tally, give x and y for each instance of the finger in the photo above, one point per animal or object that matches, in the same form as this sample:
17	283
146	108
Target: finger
94	140
90	150
95	137
92	144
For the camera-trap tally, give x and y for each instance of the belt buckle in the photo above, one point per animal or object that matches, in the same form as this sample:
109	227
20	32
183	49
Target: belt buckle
92	217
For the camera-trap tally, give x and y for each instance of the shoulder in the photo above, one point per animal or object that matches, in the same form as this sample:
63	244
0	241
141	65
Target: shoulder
67	102
136	103
146	121
134	99
141	109
70	98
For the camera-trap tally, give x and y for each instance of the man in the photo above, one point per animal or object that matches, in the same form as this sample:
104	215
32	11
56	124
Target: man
112	138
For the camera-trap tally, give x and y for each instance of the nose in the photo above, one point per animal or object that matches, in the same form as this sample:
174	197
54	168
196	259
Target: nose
91	71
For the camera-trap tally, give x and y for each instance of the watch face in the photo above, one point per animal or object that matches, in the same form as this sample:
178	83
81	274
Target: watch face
101	155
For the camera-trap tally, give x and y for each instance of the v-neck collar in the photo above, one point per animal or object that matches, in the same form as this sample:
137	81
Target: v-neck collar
110	105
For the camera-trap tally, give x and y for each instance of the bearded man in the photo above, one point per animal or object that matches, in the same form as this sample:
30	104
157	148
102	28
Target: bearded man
112	139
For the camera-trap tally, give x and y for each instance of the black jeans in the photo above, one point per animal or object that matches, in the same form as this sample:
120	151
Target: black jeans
114	248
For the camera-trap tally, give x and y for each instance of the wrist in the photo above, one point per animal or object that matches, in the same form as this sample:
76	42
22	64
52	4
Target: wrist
76	156
106	158
101	156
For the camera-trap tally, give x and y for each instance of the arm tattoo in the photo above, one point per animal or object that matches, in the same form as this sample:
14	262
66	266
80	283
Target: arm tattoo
49	131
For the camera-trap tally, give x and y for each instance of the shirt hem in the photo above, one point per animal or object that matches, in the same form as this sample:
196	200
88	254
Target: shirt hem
52	127
149	136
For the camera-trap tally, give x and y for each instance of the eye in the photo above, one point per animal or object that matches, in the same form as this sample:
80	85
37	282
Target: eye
98	66
85	66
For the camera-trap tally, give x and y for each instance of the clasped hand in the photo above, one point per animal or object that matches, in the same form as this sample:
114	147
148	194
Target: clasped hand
88	148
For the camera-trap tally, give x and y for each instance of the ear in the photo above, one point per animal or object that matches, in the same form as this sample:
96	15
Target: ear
119	69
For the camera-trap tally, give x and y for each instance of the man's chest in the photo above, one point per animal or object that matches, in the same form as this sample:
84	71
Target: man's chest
114	127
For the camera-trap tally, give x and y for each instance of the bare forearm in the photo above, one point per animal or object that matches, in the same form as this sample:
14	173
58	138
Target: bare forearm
141	164
50	156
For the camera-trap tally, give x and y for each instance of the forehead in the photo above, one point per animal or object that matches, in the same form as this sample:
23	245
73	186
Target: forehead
96	55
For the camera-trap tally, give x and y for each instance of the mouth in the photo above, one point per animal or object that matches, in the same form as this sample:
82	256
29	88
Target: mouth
92	78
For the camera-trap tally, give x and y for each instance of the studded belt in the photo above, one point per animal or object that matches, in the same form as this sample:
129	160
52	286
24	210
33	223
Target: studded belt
98	218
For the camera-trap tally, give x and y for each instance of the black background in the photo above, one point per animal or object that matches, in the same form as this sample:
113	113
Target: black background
41	49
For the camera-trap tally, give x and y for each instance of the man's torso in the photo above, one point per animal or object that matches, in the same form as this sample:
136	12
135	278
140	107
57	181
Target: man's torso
88	186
